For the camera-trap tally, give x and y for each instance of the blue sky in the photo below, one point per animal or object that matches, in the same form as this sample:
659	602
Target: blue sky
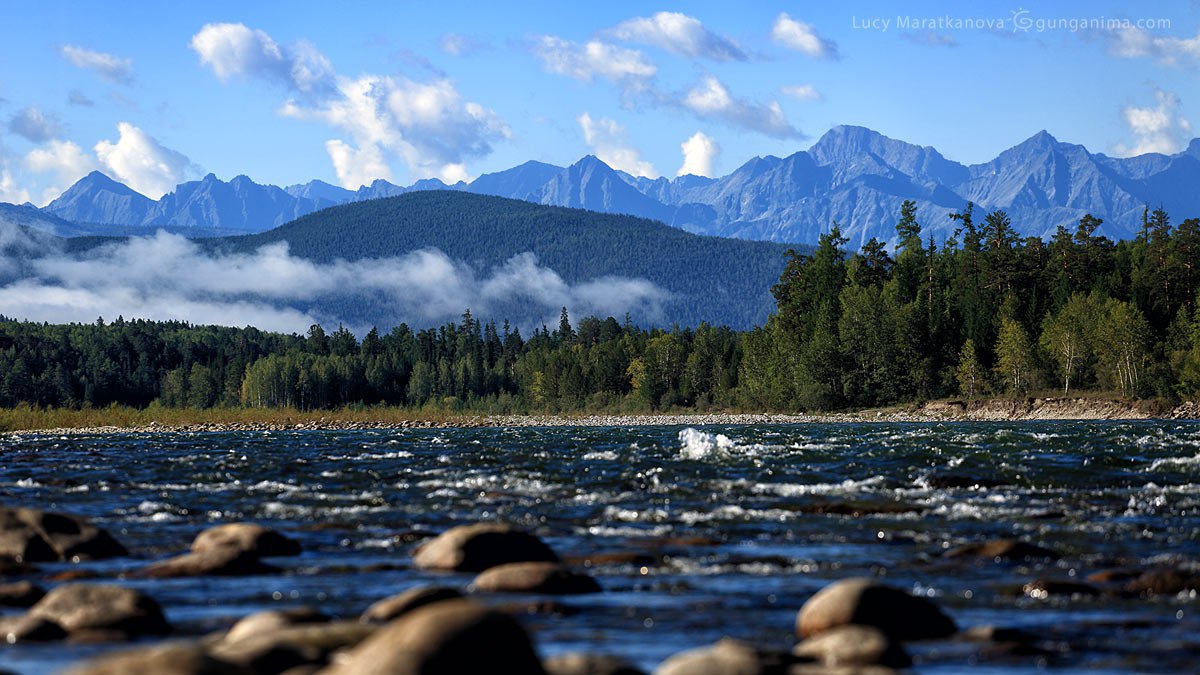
287	92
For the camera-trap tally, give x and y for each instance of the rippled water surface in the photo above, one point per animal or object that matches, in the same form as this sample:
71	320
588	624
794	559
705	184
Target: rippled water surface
730	518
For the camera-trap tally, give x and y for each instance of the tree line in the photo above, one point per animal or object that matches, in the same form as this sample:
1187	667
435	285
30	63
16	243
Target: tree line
984	313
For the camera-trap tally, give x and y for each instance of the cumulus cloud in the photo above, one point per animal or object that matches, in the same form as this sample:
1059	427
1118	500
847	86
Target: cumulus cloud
169	277
1162	128
10	191
628	68
802	37
802	92
710	99
235	50
428	125
699	154
35	126
1131	42
609	142
142	163
679	34
108	66
65	160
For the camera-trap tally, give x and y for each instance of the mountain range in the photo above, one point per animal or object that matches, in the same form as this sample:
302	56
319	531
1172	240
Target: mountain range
852	175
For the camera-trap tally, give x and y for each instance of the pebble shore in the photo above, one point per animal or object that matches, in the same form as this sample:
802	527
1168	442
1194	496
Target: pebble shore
998	410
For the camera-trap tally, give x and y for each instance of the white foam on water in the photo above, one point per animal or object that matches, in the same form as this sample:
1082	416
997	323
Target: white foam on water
601	455
1175	461
698	445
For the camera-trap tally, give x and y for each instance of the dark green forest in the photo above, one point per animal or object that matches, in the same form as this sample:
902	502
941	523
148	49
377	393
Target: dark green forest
985	313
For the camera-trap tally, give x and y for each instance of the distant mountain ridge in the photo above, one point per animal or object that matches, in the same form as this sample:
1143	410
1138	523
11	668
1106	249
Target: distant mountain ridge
852	175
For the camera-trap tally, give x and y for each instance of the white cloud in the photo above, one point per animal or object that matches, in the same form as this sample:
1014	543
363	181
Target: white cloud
112	68
711	100
803	92
585	62
428	125
142	163
699	154
235	50
169	277
679	34
1132	42
1162	128
10	191
67	161
35	126
802	37
609	142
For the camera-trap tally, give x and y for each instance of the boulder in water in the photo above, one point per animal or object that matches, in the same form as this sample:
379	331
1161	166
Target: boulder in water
867	602
475	548
535	577
249	537
101	607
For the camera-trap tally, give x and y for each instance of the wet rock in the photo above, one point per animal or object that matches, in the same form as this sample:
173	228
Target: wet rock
28	628
227	562
1003	549
30	535
948	481
169	659
455	636
852	645
858	509
72	575
397	605
20	594
263	657
612	558
269	621
1164	582
315	641
84	607
475	548
589	664
1114	576
1040	589
727	657
249	537
11	567
535	577
867	602
988	633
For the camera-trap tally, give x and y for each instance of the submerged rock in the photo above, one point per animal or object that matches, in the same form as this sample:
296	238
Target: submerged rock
168	659
228	562
475	548
852	645
1040	589
249	537
261	623
30	535
589	664
535	577
445	638
28	628
867	602
115	610
1164	582
729	656
1003	549
398	605
20	594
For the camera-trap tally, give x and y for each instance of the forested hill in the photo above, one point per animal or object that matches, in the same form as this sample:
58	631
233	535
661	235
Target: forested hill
720	281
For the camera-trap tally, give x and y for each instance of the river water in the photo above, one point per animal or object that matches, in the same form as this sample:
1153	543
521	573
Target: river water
732	522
